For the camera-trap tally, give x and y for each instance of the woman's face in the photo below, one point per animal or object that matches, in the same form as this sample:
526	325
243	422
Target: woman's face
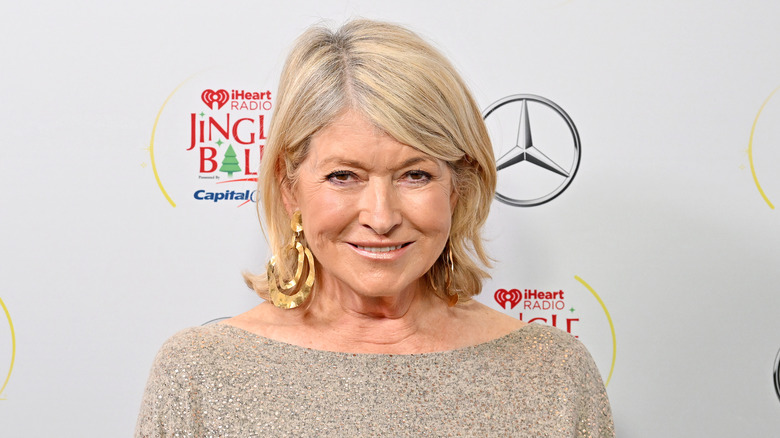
376	213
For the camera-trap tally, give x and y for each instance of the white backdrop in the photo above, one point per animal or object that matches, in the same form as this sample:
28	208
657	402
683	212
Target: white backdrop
664	221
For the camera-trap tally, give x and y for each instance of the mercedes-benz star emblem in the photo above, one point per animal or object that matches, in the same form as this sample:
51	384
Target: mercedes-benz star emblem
532	172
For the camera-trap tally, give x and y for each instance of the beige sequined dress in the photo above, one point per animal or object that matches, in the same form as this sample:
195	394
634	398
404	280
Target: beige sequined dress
222	381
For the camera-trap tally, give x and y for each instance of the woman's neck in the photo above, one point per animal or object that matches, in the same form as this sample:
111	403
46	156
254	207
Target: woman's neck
413	321
409	320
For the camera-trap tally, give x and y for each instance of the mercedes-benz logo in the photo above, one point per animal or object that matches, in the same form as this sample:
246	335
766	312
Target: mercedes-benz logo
532	172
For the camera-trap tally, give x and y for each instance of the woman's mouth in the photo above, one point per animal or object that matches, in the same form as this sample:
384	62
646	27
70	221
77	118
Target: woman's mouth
380	249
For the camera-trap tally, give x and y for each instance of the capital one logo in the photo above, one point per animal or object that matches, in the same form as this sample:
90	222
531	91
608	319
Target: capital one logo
537	149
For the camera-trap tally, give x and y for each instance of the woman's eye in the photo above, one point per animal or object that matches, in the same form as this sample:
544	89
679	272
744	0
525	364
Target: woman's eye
340	176
418	176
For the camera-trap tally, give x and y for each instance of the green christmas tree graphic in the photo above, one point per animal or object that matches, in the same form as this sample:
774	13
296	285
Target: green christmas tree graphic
230	163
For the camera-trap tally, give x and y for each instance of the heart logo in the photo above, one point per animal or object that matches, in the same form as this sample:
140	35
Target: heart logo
210	97
504	296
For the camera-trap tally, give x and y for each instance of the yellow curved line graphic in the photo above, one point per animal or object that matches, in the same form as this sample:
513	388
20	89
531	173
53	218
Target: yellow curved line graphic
151	143
611	326
750	149
13	348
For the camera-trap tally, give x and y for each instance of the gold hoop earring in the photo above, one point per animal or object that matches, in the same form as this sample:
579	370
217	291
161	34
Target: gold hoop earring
283	296
449	272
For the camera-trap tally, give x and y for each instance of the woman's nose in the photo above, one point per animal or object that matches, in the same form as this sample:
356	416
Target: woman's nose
380	207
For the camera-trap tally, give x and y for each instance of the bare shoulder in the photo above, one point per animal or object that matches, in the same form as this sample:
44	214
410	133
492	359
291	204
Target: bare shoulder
485	323
263	319
484	315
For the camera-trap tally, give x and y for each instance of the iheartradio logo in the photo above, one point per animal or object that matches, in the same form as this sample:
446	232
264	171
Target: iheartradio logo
211	97
534	299
504	296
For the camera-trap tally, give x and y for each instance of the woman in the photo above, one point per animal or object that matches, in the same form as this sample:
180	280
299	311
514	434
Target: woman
377	177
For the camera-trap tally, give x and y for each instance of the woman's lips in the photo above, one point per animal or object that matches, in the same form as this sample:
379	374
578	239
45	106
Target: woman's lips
378	248
374	249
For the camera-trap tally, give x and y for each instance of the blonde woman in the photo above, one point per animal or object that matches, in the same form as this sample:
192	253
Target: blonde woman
377	177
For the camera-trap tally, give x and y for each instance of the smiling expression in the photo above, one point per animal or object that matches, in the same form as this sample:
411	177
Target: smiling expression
376	213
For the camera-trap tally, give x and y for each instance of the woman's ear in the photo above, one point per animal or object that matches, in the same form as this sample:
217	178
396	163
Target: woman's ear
453	199
454	195
288	196
286	188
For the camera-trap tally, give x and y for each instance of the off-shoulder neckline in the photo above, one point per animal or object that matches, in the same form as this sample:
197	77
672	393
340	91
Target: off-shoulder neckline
223	327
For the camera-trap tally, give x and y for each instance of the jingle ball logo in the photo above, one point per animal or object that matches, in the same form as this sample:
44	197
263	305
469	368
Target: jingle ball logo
576	309
207	144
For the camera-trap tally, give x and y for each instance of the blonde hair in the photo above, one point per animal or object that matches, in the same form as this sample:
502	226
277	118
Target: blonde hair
407	89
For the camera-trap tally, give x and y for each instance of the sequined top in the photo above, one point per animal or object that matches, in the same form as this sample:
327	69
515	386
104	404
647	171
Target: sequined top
222	381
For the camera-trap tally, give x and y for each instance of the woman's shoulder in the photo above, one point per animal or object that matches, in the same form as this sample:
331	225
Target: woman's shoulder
559	363
540	346
549	335
190	345
547	340
518	337
196	338
206	345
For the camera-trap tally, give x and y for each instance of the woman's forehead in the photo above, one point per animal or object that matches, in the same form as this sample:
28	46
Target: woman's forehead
347	146
353	137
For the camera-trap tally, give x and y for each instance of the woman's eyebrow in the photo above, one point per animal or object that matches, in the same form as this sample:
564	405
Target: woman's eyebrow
360	165
416	160
341	161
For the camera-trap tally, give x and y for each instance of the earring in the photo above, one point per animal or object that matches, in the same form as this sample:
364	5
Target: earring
282	296
449	272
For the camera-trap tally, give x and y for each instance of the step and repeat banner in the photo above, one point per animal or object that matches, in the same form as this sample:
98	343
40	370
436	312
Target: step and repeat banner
638	154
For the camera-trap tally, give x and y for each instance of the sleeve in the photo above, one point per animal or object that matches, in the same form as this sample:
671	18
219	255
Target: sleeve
595	419
169	407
